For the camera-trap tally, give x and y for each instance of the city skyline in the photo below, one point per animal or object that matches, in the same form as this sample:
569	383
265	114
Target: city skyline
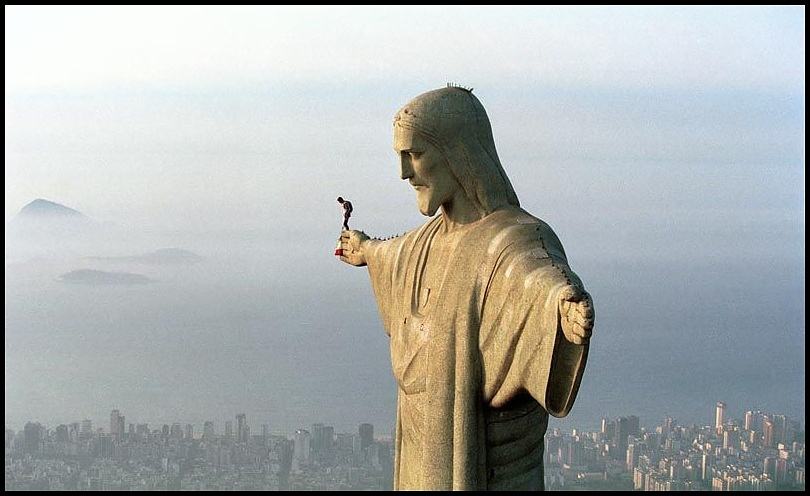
759	451
711	420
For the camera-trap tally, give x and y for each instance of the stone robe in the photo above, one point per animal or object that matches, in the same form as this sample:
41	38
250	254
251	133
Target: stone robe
481	361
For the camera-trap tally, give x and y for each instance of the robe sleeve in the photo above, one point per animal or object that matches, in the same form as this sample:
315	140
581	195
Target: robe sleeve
522	345
383	261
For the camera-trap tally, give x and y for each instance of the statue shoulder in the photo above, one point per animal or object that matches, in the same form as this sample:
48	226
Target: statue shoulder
393	244
550	240
516	229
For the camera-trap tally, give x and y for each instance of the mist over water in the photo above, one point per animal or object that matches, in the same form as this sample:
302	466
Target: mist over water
238	332
268	323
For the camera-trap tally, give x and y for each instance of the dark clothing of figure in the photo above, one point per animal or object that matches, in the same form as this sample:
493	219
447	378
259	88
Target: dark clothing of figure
347	212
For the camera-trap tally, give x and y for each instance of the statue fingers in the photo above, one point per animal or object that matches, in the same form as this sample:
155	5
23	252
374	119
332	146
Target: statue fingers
572	333
575	317
578	334
583	332
584	308
573	312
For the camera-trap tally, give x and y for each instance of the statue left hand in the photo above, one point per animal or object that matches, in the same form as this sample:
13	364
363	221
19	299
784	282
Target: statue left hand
351	245
576	314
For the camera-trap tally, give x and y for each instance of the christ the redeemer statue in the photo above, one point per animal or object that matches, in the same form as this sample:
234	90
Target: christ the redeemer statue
489	327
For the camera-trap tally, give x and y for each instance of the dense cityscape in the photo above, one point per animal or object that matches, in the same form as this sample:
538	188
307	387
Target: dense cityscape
762	451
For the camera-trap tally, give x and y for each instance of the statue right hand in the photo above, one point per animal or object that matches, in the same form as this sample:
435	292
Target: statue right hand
351	243
576	314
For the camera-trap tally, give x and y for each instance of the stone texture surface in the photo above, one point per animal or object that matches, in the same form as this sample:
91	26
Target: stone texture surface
489	327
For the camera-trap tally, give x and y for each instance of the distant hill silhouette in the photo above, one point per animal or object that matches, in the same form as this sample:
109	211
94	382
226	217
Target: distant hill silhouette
49	229
102	278
41	209
163	256
44	219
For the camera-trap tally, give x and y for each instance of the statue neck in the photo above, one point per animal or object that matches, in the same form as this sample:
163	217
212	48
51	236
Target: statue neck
458	212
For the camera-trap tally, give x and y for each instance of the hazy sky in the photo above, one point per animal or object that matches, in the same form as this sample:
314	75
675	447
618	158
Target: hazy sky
650	138
262	86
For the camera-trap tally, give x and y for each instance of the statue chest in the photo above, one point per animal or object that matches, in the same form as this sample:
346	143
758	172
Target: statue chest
429	316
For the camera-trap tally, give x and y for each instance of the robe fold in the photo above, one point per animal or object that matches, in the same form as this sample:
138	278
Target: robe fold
480	361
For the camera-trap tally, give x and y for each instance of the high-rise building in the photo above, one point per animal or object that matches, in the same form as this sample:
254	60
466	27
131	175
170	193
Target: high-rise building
208	430
624	427
345	442
87	429
62	435
632	457
793	428
228	429
634	425
75	431
780	428
730	439
667	425
574	453
719	417
707	462
768	434
323	438
317	438
189	432
303	447
33	433
781	471
366	432
752	421
115	423
241	428
608	429
328	438
105	445
177	431
769	467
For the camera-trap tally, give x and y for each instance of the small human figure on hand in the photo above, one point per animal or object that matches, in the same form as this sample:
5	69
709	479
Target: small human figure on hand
347	211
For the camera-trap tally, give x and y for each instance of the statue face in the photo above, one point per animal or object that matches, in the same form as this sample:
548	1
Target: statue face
426	169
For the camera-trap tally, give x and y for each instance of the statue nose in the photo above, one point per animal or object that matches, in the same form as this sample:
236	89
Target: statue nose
405	169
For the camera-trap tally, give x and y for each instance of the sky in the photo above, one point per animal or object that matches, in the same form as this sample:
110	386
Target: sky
664	145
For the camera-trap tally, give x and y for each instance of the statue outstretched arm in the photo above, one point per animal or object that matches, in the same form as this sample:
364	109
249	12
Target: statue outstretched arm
540	344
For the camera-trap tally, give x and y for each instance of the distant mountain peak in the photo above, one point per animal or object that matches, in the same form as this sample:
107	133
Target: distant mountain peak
46	208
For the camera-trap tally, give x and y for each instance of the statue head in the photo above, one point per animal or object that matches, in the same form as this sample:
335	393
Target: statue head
447	137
